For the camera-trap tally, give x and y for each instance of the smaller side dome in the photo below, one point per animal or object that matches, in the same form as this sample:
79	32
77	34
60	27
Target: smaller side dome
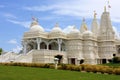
74	30
56	28
35	26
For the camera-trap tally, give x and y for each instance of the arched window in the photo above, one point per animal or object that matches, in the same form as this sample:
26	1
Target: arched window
43	45
53	46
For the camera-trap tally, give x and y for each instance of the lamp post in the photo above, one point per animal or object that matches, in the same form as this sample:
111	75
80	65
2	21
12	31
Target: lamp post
56	62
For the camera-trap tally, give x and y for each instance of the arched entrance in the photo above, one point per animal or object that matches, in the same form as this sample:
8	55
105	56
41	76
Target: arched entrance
53	46
104	61
43	45
60	58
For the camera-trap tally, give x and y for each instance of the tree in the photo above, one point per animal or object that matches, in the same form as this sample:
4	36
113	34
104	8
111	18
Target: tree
1	50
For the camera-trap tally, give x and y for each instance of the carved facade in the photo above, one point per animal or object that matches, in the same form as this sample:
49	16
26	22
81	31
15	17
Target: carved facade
77	47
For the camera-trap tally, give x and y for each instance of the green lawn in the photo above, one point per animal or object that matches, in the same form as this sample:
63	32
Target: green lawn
28	73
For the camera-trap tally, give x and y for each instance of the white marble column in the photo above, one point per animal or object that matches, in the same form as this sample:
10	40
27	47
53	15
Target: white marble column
25	47
47	46
59	44
38	43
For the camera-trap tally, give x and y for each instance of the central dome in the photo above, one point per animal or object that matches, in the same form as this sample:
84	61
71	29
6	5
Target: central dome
35	26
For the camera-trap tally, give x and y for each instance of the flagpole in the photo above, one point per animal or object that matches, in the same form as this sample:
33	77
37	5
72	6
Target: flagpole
108	4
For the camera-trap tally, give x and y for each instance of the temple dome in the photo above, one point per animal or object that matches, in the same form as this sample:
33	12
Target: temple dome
56	28
87	33
35	26
74	31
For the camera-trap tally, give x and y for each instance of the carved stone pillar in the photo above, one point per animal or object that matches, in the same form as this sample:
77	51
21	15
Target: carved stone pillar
38	43
25	47
47	46
59	44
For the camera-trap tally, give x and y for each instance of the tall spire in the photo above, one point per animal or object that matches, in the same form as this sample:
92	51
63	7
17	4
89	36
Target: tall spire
106	37
105	23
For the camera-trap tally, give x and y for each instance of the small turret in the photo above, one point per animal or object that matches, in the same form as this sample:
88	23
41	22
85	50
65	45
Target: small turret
83	27
56	28
94	25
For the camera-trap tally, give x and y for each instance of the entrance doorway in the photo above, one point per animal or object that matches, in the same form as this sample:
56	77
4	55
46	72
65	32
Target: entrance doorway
104	61
73	61
60	57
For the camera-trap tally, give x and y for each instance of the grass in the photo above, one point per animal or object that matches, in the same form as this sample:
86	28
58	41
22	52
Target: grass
28	73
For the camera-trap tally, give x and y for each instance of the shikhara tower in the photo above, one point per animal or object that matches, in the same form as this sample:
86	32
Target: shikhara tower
106	38
77	47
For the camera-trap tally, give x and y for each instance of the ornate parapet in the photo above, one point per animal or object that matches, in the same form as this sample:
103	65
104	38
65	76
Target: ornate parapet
57	35
35	35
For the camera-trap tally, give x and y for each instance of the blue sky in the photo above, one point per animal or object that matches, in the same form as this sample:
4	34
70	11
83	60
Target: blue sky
15	16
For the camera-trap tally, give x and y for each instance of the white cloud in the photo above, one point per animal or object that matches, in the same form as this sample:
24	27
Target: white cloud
9	15
39	8
17	49
12	41
81	8
25	24
68	29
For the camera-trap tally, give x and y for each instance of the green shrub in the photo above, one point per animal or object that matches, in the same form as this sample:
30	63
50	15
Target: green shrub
117	71
82	67
116	60
53	66
88	68
63	66
110	70
95	69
